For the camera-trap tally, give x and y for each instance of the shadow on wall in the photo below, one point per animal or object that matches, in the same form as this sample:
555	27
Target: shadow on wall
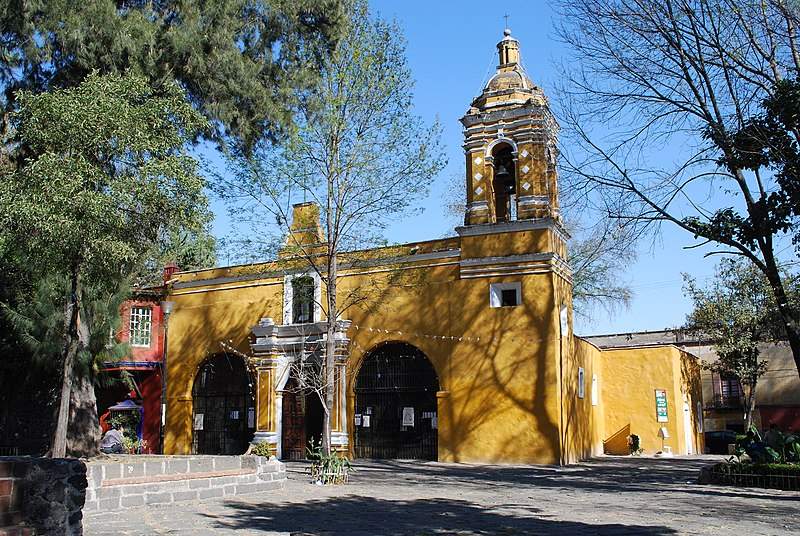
692	385
368	515
617	443
500	406
199	326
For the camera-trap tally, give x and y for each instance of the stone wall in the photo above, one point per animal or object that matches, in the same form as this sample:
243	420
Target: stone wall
131	481
41	496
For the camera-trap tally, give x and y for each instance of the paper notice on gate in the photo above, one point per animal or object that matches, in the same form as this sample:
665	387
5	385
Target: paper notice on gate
198	421
251	417
408	416
365	421
358	419
434	423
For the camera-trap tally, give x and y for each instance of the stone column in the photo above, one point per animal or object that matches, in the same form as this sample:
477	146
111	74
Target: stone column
340	440
266	404
266	358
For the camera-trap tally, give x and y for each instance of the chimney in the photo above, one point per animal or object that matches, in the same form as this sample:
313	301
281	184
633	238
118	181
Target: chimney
305	232
169	271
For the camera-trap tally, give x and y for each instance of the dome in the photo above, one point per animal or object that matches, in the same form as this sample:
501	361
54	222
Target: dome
509	80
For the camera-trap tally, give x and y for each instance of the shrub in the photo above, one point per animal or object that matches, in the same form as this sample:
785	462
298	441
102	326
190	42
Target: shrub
762	475
261	449
332	468
634	445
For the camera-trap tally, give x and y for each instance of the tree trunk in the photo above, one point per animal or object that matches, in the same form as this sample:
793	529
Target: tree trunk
750	406
330	352
790	316
330	343
71	316
83	433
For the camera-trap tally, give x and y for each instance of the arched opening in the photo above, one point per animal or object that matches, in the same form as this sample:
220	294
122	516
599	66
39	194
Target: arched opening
395	410
301	421
223	420
504	182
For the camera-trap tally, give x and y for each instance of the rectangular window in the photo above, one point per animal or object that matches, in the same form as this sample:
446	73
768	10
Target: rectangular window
595	393
505	294
728	391
302	300
140	325
581	383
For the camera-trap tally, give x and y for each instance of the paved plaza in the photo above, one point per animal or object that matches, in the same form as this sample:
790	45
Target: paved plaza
604	496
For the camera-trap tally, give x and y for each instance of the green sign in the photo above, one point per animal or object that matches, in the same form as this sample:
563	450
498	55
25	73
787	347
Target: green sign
661	405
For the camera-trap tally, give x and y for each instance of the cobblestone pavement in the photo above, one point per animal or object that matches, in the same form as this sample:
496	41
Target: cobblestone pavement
619	496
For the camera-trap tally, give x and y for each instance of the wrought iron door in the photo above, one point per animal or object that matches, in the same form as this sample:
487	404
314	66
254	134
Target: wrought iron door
223	420
395	412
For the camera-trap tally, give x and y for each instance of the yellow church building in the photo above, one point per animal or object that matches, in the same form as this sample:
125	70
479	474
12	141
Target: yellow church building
466	354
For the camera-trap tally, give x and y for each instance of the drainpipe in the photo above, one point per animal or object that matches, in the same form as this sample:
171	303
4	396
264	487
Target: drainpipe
166	309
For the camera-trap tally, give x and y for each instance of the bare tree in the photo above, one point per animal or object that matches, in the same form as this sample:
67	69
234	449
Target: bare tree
599	249
688	75
358	153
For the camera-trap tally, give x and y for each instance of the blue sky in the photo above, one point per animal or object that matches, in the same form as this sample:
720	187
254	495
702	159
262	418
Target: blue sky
451	53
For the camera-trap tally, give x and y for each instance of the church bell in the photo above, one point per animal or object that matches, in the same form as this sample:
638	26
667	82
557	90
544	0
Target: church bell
505	178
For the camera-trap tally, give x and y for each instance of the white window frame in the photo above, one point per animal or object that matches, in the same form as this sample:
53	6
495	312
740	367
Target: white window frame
595	392
139	317
581	383
496	293
288	296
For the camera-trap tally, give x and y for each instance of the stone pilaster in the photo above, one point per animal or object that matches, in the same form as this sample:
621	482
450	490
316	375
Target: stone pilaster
266	362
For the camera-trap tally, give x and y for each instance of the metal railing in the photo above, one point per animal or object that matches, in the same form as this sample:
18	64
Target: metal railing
748	476
725	402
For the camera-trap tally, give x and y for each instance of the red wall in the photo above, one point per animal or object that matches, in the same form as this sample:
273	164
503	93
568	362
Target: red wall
151	404
785	417
149	382
155	351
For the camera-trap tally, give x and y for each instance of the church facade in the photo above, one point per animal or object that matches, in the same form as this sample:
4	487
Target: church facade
465	353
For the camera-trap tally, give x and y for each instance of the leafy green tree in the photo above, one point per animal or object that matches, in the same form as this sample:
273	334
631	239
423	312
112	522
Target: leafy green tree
109	174
39	324
712	81
239	61
358	152
738	312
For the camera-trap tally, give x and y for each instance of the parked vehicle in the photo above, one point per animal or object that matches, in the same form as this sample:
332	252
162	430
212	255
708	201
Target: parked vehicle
717	442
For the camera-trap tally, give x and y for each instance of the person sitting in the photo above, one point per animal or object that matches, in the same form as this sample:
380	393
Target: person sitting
112	442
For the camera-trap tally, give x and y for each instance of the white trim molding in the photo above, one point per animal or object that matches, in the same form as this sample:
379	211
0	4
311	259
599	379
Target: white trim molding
288	295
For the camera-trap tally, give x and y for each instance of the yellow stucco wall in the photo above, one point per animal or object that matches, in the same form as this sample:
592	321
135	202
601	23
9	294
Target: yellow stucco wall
630	377
508	389
500	397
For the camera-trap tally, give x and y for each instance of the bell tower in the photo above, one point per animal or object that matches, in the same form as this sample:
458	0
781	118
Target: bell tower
510	147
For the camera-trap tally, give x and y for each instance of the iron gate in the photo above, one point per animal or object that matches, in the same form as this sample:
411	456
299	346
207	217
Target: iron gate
395	412
223	420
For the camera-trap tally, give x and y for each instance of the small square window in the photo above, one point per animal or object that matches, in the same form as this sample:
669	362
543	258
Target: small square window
505	294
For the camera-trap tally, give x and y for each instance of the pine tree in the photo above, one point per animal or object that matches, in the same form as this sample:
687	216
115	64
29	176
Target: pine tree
109	173
240	62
